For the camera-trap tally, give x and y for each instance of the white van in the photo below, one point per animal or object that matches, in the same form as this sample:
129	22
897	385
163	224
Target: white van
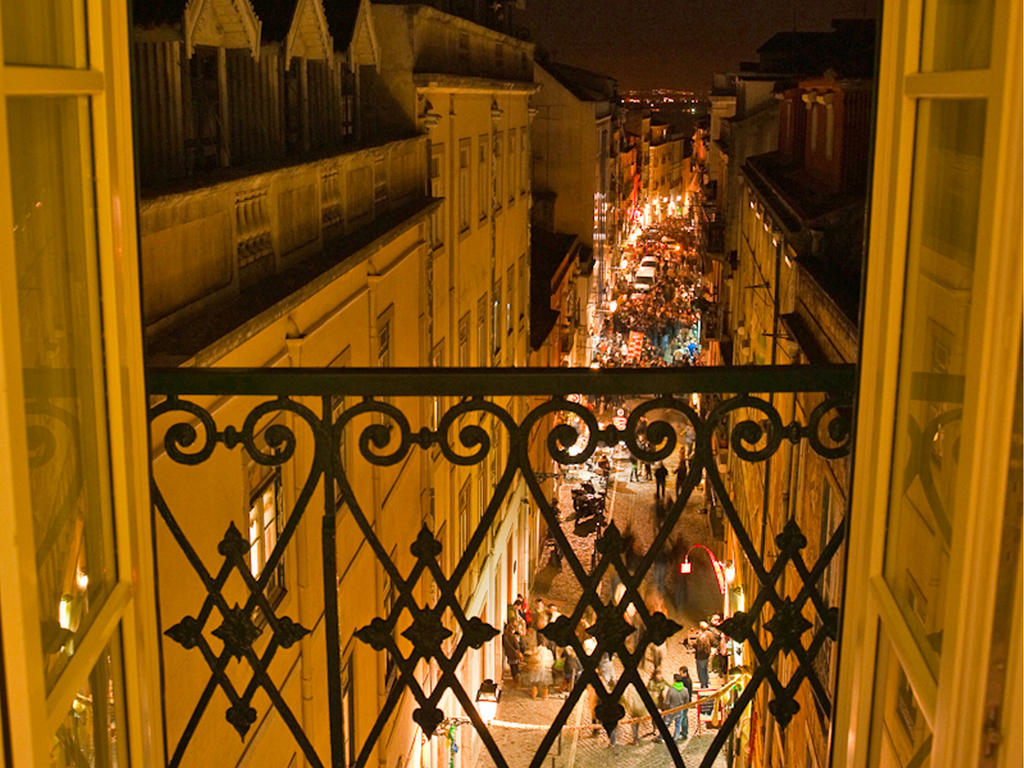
644	280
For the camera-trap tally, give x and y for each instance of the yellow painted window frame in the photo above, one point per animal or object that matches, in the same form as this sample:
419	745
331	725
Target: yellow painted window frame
949	701
130	608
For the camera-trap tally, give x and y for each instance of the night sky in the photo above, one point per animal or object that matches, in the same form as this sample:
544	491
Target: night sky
673	43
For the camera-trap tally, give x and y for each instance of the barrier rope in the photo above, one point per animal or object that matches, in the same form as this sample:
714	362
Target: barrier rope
738	681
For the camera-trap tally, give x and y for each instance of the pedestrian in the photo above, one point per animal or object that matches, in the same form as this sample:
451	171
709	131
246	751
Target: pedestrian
701	654
540	620
510	645
719	649
540	671
681	472
635	710
660	475
654	656
678	695
571	668
657	687
634	472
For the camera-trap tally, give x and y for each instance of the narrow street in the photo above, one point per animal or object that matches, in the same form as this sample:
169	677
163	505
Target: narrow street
665	318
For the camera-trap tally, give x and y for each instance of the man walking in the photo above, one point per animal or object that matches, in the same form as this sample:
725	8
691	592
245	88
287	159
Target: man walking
681	471
701	654
660	475
676	696
511	645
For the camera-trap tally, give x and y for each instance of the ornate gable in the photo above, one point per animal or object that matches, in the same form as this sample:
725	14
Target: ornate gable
308	35
221	23
363	51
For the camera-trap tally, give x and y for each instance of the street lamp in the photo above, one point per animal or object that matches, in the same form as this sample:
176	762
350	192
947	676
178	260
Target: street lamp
487	698
720	569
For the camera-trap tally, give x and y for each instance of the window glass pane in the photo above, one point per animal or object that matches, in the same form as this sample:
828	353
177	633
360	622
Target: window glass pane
92	732
44	32
255	558
937	305
62	354
957	35
900	737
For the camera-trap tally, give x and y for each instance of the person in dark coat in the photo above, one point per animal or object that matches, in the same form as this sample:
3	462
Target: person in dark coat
660	475
681	472
702	652
511	645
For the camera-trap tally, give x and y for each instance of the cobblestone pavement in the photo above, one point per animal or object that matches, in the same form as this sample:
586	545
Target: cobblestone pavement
633	508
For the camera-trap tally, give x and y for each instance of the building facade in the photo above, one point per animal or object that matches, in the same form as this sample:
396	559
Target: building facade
927	673
402	241
574	162
799	242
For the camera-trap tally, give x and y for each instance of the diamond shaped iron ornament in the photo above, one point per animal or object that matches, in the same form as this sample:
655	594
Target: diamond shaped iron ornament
439	632
237	633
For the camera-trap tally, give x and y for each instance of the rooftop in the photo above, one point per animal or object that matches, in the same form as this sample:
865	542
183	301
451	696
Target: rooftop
581	83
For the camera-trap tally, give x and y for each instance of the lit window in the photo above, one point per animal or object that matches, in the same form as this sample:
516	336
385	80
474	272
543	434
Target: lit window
264	527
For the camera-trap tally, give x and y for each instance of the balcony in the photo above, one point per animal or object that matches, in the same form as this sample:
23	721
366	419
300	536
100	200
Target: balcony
388	509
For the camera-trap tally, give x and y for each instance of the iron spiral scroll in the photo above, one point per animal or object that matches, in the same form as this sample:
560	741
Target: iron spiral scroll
307	413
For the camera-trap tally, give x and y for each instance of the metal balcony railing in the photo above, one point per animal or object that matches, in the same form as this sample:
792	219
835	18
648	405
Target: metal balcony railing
333	426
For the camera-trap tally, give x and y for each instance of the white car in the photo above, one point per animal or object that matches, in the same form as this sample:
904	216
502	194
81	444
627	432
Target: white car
649	261
644	279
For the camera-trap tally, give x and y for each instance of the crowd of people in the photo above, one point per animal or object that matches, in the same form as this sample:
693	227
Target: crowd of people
667	316
534	660
545	669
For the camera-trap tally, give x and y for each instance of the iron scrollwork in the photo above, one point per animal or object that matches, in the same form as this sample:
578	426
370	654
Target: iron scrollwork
624	625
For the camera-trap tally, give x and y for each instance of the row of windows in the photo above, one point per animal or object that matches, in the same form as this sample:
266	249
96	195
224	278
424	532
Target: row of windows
504	179
499	323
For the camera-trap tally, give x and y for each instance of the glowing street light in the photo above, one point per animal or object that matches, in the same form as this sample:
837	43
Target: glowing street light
720	570
487	698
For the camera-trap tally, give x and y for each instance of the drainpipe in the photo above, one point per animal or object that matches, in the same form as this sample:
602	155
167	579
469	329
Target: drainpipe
307	613
771	396
496	114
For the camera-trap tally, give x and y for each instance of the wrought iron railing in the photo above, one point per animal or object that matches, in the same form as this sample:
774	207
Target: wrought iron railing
526	411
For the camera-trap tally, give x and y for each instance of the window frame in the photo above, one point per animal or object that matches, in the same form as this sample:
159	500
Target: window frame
128	614
498	176
524	161
483	180
872	617
276	586
435	172
465	190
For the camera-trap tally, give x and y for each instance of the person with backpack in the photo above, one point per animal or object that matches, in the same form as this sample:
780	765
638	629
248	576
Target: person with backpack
676	695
